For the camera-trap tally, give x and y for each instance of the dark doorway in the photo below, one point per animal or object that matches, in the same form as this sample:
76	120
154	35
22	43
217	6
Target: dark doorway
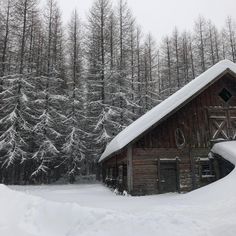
225	167
168	177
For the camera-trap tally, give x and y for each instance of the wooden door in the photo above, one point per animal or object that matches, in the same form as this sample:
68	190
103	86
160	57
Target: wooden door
222	123
168	177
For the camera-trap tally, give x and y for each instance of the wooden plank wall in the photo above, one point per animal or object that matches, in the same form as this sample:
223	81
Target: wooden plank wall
160	142
191	119
145	169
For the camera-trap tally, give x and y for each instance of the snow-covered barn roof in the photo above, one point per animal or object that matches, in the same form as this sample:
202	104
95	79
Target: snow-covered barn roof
161	111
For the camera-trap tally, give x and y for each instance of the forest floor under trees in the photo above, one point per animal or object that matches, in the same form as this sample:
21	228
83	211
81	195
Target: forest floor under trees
94	210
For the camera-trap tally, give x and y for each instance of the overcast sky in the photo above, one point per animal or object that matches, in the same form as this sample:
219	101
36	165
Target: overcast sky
161	16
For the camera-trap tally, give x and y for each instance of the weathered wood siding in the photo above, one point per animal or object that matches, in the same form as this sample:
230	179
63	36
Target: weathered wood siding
145	166
192	119
159	143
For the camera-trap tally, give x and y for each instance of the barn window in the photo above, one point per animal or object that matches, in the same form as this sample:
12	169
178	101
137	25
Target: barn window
207	168
179	138
225	95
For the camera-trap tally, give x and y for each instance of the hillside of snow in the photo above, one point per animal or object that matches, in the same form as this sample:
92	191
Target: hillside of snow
93	210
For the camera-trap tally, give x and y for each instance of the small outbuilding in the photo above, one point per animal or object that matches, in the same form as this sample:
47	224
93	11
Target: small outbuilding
167	149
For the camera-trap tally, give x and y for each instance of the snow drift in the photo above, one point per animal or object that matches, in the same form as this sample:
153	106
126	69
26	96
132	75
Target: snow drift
92	210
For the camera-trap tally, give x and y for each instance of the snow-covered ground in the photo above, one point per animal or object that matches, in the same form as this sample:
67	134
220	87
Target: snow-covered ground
93	210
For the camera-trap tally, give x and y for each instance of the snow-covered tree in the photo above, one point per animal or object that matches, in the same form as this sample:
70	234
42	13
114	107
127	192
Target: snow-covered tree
74	148
229	39
48	128
6	23
98	72
15	123
50	101
24	12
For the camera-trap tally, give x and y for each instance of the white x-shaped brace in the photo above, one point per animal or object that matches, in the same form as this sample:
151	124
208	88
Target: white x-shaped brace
219	125
233	125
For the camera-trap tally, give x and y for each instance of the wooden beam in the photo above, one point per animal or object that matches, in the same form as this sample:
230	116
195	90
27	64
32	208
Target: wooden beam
178	174
130	168
159	174
193	174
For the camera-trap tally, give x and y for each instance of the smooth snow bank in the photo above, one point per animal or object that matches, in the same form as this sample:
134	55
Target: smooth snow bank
163	109
227	150
26	215
93	210
223	191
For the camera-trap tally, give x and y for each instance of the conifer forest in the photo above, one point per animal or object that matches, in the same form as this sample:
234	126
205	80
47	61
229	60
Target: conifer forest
67	88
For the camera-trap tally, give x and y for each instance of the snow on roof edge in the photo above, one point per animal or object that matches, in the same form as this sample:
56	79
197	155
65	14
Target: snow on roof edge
164	108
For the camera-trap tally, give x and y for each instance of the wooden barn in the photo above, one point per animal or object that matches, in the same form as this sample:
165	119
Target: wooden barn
167	149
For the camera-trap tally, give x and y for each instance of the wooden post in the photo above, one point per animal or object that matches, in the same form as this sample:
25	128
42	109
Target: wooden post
177	173
159	174
193	175
130	169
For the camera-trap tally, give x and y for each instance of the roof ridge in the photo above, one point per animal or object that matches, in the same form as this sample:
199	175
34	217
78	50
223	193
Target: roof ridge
160	111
